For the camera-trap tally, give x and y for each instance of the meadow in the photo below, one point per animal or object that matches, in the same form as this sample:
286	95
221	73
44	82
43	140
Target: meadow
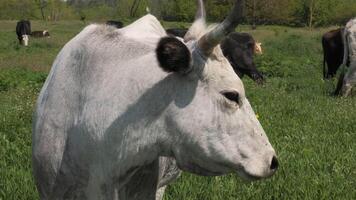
313	132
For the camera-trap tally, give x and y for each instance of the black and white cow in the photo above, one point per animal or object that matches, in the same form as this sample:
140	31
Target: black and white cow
116	24
40	34
23	30
239	49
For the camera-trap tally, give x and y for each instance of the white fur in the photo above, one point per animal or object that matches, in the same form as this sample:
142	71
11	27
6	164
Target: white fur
25	40
196	30
349	39
258	48
107	113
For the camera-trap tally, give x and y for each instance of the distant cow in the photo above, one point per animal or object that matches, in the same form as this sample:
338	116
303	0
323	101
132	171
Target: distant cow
333	48
239	49
116	24
23	30
39	34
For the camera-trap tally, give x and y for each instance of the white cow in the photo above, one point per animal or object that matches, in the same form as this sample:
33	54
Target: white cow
107	112
349	39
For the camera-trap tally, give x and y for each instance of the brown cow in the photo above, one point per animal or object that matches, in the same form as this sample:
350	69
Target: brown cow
333	48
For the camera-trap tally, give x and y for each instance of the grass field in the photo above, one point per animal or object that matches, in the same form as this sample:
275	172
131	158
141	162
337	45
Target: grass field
313	132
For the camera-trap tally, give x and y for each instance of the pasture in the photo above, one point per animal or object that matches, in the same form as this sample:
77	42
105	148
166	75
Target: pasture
313	132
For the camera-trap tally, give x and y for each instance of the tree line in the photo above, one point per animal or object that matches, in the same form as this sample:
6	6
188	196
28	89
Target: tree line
282	12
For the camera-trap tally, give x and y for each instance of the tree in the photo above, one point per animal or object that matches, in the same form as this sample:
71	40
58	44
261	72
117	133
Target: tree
55	8
42	4
251	11
134	7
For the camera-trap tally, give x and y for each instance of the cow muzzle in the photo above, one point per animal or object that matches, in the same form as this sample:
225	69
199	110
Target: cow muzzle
25	40
256	171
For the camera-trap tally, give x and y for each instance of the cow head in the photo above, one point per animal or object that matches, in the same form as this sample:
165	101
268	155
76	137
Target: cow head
239	49
243	62
24	40
46	33
217	132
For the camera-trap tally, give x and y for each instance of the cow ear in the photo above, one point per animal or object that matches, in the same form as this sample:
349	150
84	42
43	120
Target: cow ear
173	55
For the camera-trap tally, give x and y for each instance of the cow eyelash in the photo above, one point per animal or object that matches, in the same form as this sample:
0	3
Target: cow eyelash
232	96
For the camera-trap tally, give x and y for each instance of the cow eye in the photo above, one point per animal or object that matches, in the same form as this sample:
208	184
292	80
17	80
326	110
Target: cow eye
232	96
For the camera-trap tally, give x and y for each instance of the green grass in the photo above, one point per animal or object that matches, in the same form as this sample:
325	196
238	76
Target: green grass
312	131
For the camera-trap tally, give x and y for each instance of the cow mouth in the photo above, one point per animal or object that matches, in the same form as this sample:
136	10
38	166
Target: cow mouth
248	177
240	171
198	170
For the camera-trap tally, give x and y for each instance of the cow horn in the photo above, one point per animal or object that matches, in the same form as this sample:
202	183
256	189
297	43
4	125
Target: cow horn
201	10
208	41
199	22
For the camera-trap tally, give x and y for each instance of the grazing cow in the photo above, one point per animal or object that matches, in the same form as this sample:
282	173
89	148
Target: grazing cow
116	24
347	79
239	49
39	34
116	100
23	30
333	48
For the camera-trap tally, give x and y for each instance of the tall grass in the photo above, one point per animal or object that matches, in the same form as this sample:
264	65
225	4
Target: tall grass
312	131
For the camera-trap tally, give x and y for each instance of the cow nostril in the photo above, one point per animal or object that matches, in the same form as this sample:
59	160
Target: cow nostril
274	163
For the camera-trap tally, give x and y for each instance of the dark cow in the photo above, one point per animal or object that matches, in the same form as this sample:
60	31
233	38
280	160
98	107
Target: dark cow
116	24
179	32
239	49
23	30
333	48
40	34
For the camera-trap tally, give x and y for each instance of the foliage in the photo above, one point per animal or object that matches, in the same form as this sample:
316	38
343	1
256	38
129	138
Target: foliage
15	9
179	10
324	12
